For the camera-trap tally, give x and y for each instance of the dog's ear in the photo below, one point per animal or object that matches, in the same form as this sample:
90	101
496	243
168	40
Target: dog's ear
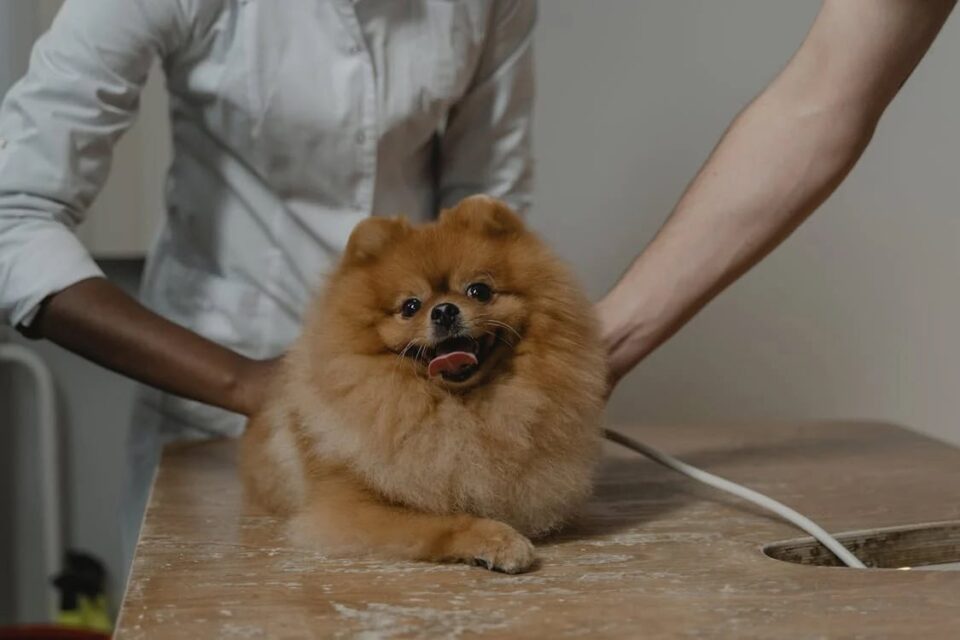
485	214
372	236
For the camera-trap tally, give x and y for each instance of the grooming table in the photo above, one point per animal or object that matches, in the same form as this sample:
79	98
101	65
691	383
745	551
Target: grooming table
654	554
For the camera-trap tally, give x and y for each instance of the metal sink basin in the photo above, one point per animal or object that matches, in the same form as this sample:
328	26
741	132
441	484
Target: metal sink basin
928	546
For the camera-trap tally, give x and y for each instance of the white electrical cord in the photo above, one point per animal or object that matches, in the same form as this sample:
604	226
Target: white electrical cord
48	445
749	495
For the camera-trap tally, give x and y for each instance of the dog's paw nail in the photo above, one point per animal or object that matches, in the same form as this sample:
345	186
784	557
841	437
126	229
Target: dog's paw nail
496	546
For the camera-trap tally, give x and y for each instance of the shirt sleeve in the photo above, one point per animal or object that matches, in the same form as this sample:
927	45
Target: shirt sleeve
486	146
58	126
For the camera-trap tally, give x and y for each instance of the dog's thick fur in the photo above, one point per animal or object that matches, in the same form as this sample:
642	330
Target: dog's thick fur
367	454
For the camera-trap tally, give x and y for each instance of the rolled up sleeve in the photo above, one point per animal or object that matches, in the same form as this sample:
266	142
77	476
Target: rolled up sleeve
39	256
58	126
486	146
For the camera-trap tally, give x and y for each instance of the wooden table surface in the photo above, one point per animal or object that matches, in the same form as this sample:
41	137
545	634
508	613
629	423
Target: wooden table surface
655	555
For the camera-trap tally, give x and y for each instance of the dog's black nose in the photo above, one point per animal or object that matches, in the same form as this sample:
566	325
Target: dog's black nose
445	314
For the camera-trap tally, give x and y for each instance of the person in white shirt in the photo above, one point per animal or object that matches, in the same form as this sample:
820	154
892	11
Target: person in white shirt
291	122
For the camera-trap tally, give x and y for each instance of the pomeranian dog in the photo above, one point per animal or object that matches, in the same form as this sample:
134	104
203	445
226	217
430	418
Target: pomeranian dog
443	402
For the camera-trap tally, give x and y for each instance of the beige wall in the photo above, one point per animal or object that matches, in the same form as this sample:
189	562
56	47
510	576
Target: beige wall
127	214
856	316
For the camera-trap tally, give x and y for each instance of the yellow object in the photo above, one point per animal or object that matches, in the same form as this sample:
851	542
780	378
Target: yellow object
91	614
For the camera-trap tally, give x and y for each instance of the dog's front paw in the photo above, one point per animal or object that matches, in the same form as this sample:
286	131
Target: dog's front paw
493	545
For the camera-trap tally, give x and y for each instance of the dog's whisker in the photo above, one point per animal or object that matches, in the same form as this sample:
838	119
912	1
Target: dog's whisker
401	356
403	352
504	325
496	336
420	350
504	340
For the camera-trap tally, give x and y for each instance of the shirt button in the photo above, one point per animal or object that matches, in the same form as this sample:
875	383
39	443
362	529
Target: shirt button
361	137
354	49
3	143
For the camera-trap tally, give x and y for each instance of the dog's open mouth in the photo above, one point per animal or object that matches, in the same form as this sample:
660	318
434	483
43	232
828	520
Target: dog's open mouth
455	359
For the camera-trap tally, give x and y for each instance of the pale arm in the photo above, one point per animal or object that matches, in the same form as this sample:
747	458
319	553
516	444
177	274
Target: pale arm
778	161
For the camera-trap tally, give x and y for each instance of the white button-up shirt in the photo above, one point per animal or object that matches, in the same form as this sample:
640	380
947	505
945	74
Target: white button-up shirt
292	120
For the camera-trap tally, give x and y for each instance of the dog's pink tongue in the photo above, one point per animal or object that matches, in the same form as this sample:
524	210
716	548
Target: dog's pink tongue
451	362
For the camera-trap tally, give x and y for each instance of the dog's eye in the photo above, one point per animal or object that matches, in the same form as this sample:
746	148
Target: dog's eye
410	307
480	292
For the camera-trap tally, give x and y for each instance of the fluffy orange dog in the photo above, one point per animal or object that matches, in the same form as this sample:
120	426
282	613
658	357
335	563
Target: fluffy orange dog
443	402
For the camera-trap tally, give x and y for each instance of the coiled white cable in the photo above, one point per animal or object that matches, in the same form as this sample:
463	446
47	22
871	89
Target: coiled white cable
785	512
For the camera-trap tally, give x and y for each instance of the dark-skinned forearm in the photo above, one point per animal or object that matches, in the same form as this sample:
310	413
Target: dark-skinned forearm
97	320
